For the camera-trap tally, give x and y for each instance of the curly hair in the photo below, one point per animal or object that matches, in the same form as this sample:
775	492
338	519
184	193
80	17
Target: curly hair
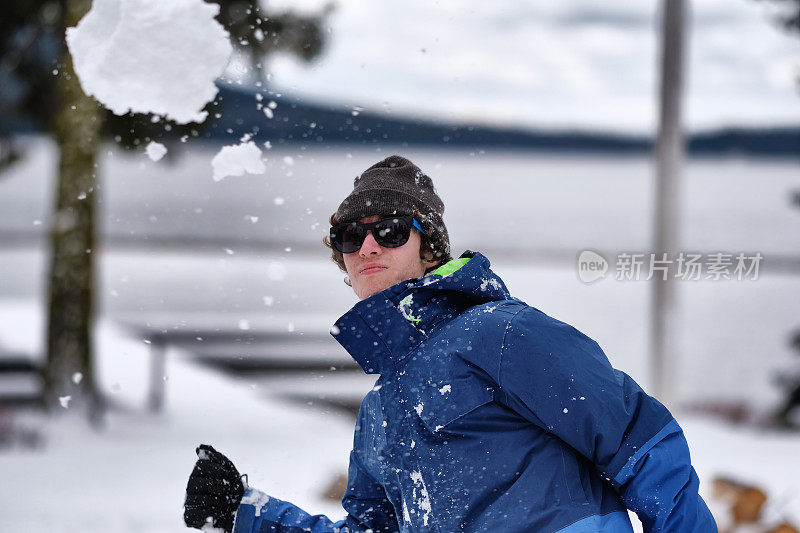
433	246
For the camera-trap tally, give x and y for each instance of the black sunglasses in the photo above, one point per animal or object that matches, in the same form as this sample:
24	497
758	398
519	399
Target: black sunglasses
391	232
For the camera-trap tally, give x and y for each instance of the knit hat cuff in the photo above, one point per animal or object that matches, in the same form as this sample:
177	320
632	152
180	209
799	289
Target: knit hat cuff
382	201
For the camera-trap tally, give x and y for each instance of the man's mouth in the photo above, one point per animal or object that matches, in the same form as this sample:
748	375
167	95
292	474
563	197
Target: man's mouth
371	269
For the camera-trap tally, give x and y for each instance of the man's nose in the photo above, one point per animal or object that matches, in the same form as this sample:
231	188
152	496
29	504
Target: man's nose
370	245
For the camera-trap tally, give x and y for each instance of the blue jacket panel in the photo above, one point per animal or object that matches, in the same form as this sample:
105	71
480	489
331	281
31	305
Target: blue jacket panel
490	415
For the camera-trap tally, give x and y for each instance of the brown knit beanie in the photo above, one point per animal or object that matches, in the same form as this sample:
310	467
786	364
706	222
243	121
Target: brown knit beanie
395	186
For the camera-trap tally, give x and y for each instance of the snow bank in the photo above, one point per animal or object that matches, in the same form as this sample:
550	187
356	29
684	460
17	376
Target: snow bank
150	56
237	159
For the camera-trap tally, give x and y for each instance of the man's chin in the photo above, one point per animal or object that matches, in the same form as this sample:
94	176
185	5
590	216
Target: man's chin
374	286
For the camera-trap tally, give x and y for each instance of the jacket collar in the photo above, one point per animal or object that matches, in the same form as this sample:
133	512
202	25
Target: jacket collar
380	331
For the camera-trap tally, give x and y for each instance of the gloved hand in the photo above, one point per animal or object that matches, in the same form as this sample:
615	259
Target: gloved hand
214	490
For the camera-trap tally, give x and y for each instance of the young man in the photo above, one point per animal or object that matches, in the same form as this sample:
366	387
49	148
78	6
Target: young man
488	415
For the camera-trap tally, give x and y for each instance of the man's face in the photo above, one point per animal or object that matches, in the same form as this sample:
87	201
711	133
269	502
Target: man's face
374	268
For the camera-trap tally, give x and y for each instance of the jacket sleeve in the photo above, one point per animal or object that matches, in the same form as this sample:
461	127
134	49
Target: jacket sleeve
365	502
562	381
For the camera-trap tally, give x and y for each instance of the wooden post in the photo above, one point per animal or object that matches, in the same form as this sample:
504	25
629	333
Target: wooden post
158	372
669	162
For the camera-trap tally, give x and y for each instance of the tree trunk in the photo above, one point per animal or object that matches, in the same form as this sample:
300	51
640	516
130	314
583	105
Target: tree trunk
77	125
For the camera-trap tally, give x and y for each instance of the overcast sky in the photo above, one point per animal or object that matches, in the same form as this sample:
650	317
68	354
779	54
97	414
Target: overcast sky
548	63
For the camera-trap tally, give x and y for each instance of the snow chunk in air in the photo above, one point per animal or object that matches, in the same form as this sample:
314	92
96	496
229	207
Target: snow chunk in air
149	56
235	160
155	151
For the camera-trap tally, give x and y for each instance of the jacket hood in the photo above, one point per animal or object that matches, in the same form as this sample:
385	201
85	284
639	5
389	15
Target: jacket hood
381	330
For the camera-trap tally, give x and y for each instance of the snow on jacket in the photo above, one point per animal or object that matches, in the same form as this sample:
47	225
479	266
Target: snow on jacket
490	415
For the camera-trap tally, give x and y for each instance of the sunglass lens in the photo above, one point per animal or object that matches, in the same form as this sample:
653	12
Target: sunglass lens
351	238
392	232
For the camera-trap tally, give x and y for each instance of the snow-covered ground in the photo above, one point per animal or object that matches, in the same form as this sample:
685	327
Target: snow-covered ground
131	477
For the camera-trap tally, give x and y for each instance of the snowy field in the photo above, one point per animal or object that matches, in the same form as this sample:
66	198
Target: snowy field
131	477
181	250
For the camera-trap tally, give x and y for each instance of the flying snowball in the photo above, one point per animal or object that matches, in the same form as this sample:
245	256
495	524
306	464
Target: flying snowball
151	56
155	151
237	159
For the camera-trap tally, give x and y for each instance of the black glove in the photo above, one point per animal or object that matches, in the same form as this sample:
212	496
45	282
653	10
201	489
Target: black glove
214	490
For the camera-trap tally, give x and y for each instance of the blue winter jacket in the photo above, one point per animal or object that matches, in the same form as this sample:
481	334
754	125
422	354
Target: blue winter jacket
490	415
